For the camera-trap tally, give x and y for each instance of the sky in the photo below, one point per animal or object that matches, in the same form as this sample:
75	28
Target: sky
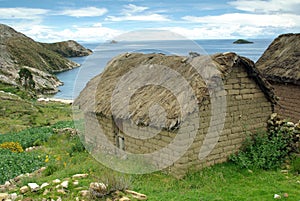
102	20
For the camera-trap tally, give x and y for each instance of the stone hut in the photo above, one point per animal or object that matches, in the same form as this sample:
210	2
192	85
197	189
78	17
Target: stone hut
172	112
280	65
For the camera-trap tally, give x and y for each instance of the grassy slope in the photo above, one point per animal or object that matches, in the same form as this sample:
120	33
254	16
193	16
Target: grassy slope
33	54
17	114
221	182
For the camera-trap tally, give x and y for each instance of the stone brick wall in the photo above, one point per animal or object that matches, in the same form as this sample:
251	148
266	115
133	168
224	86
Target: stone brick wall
247	110
289	101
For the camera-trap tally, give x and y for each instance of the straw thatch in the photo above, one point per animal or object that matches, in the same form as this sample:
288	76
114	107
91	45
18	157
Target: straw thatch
281	61
97	95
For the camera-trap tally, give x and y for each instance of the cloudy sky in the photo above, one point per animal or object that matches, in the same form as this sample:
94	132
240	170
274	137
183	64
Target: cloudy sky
101	20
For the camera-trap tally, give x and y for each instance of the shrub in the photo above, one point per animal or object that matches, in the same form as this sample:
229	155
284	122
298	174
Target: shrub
33	136
51	168
28	137
76	146
112	182
263	150
12	146
296	165
13	164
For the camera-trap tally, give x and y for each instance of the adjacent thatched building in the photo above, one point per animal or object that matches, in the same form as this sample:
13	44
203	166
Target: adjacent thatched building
193	109
280	64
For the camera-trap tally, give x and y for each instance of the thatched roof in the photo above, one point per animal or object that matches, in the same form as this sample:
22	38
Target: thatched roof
141	82
281	61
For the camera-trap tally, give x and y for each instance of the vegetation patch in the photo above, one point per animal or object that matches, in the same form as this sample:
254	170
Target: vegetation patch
17	114
12	146
13	164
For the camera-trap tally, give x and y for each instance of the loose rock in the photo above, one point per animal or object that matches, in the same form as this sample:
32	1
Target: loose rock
65	184
42	169
84	193
124	199
98	189
276	196
79	176
137	195
33	187
62	191
44	185
13	196
56	181
24	189
7	184
3	196
46	192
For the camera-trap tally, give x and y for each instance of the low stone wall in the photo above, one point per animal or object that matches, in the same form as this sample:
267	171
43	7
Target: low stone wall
289	101
247	110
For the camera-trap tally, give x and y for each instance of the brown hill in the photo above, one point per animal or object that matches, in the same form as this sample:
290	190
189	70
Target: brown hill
41	61
68	48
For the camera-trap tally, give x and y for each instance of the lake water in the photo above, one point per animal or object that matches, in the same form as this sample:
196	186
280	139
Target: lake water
76	79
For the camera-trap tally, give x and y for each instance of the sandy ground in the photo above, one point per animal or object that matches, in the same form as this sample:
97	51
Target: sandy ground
56	100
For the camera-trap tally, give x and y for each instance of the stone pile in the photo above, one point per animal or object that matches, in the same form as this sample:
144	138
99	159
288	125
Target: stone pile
71	131
56	189
278	124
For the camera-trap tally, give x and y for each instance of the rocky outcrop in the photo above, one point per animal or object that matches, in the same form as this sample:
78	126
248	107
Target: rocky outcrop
41	61
68	48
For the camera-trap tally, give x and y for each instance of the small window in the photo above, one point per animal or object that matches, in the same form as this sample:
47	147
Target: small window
121	144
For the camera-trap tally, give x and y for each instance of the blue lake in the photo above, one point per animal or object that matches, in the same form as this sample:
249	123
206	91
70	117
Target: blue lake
76	79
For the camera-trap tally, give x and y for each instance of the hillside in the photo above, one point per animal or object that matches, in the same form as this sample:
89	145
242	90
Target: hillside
68	48
40	61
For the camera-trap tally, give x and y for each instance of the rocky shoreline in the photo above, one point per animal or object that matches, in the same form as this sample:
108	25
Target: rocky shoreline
40	61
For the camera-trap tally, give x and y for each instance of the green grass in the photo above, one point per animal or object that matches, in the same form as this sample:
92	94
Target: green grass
18	114
13	164
27	52
220	182
66	157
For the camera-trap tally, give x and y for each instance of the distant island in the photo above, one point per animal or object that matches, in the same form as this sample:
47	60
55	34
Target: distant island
242	41
113	42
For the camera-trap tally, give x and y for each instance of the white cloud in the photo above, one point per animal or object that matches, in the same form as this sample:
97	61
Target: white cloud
137	13
148	35
84	12
269	6
233	25
145	17
131	8
217	32
22	13
93	33
243	19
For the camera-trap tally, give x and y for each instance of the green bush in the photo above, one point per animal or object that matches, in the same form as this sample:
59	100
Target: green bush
13	164
263	150
12	146
33	136
296	165
76	146
28	137
51	168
